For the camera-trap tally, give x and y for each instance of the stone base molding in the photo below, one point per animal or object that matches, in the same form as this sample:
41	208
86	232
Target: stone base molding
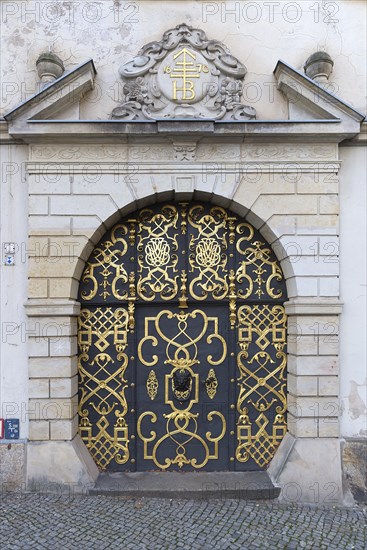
60	466
309	470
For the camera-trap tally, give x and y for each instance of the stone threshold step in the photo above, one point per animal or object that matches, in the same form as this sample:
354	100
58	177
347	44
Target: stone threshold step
187	485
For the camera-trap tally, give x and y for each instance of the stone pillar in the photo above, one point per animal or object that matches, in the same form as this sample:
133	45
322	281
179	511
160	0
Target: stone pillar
56	454
308	462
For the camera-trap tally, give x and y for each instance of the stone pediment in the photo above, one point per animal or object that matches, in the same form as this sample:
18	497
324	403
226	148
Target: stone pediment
56	99
183	84
309	100
183	76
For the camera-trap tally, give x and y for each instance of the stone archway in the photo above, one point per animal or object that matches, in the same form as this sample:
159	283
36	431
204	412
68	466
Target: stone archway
182	343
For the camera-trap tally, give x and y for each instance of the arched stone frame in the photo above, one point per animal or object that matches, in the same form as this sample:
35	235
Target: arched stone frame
312	378
100	297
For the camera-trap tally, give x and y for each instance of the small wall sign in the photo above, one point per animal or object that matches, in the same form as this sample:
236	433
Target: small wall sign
1	428
9	259
9	253
11	428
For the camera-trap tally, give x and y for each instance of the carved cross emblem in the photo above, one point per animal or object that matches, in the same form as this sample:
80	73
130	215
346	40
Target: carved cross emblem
185	76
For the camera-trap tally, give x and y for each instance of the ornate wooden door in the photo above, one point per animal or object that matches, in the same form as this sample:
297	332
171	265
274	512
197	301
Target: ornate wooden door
182	336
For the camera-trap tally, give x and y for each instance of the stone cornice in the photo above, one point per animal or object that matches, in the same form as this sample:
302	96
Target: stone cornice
62	308
52	308
189	169
358	140
313	306
5	138
109	131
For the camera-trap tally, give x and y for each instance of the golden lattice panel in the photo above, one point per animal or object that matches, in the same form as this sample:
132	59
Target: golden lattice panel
261	362
102	362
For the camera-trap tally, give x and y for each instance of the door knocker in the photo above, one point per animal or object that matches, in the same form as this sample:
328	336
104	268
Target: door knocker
182	384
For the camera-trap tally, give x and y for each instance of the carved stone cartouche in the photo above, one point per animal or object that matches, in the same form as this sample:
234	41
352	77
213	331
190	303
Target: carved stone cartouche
184	76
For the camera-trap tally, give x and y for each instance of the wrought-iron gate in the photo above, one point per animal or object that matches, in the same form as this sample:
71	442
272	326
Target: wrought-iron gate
182	343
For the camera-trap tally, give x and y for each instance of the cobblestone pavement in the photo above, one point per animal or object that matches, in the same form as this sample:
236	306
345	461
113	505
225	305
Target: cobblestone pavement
98	522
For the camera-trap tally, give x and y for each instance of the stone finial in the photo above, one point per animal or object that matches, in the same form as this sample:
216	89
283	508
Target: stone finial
49	67
319	66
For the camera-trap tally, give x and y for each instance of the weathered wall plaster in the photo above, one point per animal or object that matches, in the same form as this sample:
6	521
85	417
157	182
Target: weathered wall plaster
353	279
13	287
111	32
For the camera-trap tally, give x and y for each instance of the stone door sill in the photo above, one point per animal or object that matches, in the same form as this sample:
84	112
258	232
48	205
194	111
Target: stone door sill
188	485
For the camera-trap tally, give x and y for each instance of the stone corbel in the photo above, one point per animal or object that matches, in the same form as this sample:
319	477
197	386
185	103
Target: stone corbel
184	151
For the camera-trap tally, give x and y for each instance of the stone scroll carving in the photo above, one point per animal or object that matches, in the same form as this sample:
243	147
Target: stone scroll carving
183	76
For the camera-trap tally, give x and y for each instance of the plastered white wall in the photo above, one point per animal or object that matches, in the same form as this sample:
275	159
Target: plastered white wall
353	285
13	287
112	31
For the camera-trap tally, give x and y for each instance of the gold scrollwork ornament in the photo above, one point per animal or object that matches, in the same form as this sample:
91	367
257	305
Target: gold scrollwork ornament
211	384
182	390
152	385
